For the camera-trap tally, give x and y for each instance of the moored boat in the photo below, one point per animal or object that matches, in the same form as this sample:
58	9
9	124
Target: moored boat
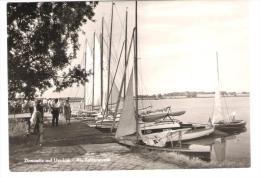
223	120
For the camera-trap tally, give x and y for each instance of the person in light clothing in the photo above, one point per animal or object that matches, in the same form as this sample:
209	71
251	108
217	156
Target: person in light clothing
67	111
37	121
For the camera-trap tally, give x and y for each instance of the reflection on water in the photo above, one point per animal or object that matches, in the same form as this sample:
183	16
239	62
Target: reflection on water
198	110
212	148
219	147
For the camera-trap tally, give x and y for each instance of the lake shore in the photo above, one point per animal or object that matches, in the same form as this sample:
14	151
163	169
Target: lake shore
65	148
185	97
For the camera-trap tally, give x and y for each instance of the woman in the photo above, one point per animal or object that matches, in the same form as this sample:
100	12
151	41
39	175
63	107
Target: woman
37	118
67	111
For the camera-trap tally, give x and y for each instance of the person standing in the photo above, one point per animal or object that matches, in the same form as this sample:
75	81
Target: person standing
55	112
31	105
49	105
67	111
39	122
39	117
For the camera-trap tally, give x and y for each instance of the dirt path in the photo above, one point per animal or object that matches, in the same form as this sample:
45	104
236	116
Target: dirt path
77	147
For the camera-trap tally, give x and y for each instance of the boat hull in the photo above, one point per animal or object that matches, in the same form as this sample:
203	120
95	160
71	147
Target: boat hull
232	126
197	133
156	116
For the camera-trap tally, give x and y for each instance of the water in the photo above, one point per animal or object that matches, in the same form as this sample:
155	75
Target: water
232	148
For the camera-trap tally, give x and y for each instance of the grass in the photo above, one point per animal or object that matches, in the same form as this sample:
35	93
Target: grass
17	128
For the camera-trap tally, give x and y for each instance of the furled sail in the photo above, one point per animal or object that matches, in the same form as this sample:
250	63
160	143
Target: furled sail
127	122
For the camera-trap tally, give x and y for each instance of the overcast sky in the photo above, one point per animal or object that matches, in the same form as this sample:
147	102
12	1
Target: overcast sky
178	41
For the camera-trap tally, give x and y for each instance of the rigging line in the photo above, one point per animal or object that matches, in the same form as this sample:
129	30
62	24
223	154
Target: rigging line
118	100
113	57
142	85
227	110
114	60
121	87
120	19
121	23
110	90
112	43
116	70
122	26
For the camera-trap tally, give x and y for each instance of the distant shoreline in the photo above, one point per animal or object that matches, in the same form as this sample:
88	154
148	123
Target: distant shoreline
188	97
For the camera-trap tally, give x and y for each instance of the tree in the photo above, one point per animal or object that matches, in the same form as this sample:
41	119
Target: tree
42	39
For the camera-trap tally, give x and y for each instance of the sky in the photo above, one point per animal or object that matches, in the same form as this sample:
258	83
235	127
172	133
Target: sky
177	44
178	41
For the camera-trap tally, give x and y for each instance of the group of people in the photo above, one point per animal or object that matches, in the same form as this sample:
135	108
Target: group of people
37	109
56	108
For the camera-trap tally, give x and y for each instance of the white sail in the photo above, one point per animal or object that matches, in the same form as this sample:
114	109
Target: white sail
96	77
127	122
97	74
218	112
114	94
88	67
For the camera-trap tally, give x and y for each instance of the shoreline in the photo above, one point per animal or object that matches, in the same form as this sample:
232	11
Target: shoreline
184	97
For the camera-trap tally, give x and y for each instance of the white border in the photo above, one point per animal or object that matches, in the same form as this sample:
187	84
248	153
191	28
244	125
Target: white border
254	114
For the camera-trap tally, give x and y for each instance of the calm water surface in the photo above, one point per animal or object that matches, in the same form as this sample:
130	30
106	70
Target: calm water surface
234	148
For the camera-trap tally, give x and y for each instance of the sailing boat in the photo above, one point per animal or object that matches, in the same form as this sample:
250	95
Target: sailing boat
221	121
130	123
96	99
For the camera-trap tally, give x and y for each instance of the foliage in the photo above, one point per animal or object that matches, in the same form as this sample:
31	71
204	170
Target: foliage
42	39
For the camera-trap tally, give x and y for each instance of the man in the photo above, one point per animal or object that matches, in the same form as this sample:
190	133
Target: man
55	112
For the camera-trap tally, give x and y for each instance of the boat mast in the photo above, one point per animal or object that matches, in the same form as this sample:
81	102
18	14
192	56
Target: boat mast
85	63
109	57
101	61
122	83
217	66
93	88
136	71
125	49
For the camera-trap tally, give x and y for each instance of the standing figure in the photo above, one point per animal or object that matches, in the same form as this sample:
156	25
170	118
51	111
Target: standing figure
31	106
49	105
39	116
67	111
39	122
55	112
